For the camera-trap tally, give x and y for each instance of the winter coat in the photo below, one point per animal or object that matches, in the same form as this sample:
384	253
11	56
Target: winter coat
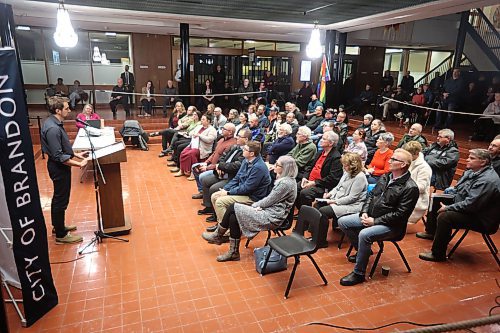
331	170
443	161
421	174
280	147
349	194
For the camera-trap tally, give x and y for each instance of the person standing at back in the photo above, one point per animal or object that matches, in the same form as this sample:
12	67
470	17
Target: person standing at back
128	83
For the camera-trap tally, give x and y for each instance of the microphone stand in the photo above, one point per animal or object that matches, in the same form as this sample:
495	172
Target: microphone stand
99	234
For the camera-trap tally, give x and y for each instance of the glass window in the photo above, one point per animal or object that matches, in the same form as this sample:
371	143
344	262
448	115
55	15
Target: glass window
110	53
416	63
259	45
225	43
289	47
32	56
395	62
352	50
177	41
437	57
68	63
198	42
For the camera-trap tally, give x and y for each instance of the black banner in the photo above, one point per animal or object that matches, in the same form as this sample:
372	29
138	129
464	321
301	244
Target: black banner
22	195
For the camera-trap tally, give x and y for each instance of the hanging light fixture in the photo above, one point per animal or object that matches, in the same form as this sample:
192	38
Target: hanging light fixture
65	35
314	49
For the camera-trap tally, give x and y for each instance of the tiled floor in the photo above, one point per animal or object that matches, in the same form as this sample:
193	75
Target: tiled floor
167	279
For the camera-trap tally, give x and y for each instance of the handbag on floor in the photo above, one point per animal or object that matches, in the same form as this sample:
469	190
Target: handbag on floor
276	263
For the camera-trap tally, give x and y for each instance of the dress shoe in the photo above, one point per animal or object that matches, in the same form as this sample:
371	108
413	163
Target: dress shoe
429	256
171	163
197	196
67	228
211	218
171	158
69	239
352	279
352	258
212	228
424	235
206	211
174	170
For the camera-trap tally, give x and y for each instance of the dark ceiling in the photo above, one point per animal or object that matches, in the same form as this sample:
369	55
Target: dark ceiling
265	10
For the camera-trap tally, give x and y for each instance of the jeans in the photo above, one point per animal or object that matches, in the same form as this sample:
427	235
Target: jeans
362	237
450	106
199	176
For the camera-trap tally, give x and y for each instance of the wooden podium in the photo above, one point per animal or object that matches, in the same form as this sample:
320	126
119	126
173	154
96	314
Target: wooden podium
113	217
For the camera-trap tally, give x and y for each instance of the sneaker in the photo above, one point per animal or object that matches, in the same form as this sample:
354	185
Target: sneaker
399	115
69	239
67	228
153	134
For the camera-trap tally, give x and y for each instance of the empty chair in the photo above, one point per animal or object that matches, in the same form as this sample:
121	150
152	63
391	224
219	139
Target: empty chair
295	244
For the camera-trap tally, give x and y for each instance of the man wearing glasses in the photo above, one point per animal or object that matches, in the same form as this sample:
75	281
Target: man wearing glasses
251	183
384	215
442	156
304	150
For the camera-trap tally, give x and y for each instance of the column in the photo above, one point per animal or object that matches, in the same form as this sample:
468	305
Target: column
459	46
330	39
339	75
185	74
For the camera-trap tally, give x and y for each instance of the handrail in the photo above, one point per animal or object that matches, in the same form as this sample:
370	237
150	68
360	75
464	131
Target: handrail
481	25
447	59
487	21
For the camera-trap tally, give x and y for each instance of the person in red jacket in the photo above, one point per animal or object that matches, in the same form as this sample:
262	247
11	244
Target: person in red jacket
379	165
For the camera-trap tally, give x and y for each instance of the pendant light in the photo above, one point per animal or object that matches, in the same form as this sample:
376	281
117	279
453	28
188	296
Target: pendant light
314	49
65	35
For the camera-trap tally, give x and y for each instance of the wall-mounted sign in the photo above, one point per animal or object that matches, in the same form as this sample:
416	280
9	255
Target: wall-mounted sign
251	54
143	66
162	67
305	70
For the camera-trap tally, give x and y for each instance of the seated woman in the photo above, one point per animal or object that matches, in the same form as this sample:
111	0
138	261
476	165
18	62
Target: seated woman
243	123
414	113
177	113
376	129
421	173
349	194
358	144
265	214
272	130
207	92
181	140
233	117
283	144
202	142
86	114
380	163
148	101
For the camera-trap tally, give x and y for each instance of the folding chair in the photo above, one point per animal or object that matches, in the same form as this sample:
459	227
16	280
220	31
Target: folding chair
280	231
486	237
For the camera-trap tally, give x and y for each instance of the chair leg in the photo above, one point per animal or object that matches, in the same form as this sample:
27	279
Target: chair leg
377	258
290	280
247	242
268	236
491	247
265	262
457	243
341	241
318	269
348	253
402	256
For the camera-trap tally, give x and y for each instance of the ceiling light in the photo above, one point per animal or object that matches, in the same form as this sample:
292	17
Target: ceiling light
65	35
249	41
314	49
112	34
23	28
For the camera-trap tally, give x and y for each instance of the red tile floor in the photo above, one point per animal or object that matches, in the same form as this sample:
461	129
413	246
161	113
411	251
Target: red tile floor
167	279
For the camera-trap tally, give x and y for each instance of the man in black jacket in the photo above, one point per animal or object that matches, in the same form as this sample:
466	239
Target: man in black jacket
118	97
323	174
384	215
128	83
442	156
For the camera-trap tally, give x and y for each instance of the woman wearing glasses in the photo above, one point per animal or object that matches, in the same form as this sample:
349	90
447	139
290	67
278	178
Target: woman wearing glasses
380	163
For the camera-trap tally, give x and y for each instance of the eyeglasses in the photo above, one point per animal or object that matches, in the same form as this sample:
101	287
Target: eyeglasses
278	165
245	148
392	159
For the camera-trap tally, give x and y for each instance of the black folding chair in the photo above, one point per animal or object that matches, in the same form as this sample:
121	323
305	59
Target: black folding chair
487	239
280	231
296	244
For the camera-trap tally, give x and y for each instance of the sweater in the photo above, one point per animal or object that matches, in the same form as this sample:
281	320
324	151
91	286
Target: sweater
380	162
252	179
303	153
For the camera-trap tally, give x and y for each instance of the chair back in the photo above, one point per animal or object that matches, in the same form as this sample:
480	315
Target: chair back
311	217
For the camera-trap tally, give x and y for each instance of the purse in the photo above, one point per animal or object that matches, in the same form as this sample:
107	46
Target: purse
276	263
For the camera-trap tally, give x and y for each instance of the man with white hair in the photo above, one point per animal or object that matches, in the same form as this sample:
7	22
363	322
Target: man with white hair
383	216
304	150
442	156
474	206
414	134
219	120
316	118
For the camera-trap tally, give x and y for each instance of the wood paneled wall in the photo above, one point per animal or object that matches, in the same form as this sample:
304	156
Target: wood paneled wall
370	67
152	56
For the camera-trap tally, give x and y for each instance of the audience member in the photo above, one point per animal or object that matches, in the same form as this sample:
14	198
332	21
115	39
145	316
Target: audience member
87	114
421	174
202	143
76	94
407	83
258	133
380	164
290	120
376	128
250	184
316	118
323	174
60	88
494	149
263	121
261	96
246	99
357	145
184	120
341	127
391	107
414	134
181	140
452	98
301	120
313	106
170	99
364	99
243	118
283	144
304	96
118	97
128	80
266	214
387	79
474	205
219	120
147	100
367	122
207	92
383	216
442	156
436	84
487	127
304	150
349	194
233	117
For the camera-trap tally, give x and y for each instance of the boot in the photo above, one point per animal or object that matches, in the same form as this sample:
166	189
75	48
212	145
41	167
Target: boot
216	237
234	251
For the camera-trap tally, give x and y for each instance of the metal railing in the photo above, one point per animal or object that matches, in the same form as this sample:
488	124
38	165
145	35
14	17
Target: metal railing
485	30
441	68
39	121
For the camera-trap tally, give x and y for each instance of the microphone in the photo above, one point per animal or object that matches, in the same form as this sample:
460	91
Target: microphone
78	120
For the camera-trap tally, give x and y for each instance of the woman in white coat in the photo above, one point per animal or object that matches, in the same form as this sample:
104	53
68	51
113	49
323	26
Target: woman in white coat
421	173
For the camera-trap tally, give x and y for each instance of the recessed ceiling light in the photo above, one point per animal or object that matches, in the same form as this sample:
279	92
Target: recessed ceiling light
113	34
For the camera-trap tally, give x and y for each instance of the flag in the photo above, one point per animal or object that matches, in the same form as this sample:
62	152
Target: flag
324	75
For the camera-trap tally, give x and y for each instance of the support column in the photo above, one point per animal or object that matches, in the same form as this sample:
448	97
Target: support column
459	45
185	74
330	40
339	75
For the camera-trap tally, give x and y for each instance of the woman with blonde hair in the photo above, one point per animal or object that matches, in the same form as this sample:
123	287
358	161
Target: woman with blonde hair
87	114
349	194
421	173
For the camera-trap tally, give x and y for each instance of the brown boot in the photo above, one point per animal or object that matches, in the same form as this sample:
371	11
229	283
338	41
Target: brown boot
216	237
234	251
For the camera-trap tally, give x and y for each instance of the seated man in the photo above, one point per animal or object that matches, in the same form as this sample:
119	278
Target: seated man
364	100
219	120
313	105
474	205
328	118
316	118
225	170
442	156
186	121
341	127
494	149
383	216
118	97
391	107
304	150
323	174
290	120
251	183
486	127
263	121
76	94
61	89
258	133
414	134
